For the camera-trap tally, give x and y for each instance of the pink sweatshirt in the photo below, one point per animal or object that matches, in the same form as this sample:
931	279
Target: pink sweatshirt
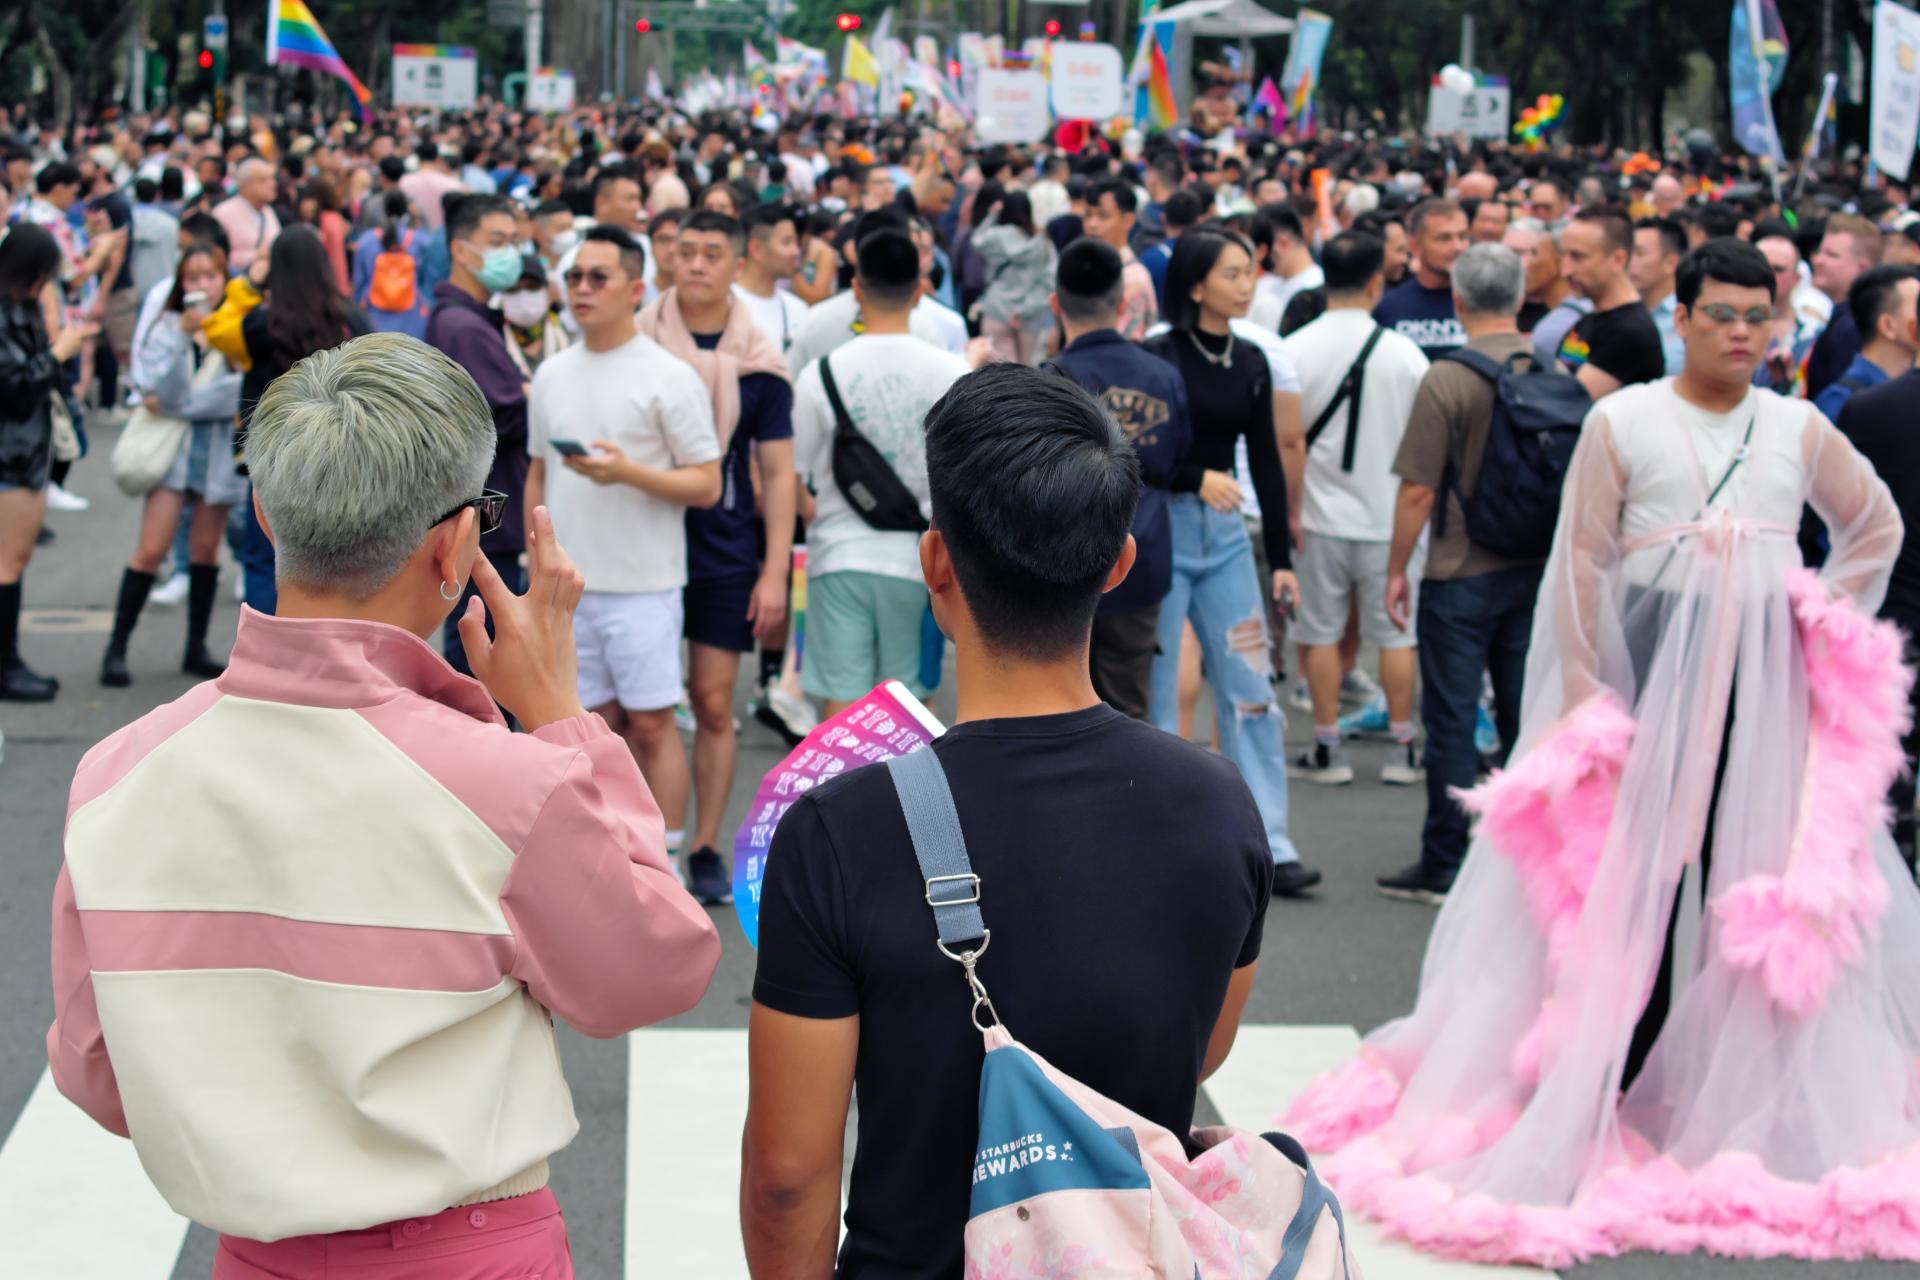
313	917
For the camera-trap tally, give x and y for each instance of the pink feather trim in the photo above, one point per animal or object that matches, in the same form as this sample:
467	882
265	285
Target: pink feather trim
1801	929
1343	1105
1730	1206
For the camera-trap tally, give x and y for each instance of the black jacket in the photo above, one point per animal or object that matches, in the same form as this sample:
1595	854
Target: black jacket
29	379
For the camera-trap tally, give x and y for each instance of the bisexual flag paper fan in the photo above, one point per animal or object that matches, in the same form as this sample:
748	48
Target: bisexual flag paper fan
888	722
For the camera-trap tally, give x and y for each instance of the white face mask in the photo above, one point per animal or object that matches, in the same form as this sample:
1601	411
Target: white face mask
524	307
563	242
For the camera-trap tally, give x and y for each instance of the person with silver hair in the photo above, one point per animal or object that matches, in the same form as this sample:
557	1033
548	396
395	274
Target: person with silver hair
1475	605
317	916
1550	307
247	215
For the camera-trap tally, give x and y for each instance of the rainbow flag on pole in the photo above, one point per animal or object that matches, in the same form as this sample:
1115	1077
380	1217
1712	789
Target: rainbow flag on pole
295	39
1160	104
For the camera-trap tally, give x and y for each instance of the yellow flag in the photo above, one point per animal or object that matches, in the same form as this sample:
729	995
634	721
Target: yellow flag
858	65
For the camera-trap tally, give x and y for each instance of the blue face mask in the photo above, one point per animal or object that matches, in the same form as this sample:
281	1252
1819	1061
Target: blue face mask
499	269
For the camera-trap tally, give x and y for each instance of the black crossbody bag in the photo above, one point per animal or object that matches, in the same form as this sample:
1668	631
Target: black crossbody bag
870	485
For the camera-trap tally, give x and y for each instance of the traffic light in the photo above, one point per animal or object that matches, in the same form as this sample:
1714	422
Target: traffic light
206	59
1052	28
847	21
643	26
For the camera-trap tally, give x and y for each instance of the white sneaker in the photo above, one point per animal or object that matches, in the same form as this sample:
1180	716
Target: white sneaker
1358	686
1300	699
1402	768
169	593
61	499
1323	764
240	588
794	710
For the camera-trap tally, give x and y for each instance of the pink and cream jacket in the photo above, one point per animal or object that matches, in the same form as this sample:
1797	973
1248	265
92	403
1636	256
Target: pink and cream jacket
313	918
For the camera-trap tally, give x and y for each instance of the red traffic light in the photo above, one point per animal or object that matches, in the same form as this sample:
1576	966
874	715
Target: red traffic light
1053	28
847	21
643	26
206	59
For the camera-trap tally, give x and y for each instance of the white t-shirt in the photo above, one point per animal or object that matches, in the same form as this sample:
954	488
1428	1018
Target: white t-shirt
1356	504
780	317
888	381
1278	291
830	326
657	410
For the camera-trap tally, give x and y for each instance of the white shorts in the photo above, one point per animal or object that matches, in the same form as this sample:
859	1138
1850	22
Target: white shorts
1334	571
628	647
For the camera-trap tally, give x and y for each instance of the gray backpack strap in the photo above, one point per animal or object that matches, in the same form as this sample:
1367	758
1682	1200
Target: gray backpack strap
1314	1197
953	890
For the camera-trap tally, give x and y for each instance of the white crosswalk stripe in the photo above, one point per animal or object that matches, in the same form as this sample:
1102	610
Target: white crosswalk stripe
84	1210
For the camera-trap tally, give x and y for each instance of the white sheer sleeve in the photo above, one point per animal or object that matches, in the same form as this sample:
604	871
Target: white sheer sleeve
1586	545
1864	524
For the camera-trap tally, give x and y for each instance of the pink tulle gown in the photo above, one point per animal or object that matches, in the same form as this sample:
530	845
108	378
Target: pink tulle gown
1778	1111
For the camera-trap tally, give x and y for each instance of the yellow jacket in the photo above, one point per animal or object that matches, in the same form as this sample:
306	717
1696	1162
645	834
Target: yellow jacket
223	326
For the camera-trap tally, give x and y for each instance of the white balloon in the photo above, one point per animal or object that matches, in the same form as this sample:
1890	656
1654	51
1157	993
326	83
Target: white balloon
1457	78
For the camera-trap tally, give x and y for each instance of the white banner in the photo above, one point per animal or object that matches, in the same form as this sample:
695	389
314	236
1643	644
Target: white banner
1482	113
434	75
552	90
1896	88
1011	106
1087	79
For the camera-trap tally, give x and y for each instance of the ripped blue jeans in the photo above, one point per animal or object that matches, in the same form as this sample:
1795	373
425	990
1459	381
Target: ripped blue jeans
1216	586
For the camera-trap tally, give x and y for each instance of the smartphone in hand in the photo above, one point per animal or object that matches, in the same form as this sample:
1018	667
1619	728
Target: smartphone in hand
569	448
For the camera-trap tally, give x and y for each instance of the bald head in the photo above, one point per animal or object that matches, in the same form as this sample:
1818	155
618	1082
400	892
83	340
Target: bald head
1665	195
254	182
1479	186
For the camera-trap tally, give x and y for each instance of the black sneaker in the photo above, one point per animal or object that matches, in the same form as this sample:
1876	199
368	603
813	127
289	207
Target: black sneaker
707	879
1291	879
1416	883
1324	764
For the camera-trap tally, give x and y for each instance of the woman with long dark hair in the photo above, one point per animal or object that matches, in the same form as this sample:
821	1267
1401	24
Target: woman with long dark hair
1014	311
30	384
1210	282
272	319
182	378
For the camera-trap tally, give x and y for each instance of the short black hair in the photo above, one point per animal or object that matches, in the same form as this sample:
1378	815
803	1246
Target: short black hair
1673	236
672	217
1725	259
393	168
29	257
759	220
1034	491
57	174
1275	219
145	190
173	183
614	173
1873	294
1090	280
1614	224
889	268
1125	198
1719	220
632	260
1182	209
463	218
724	224
1351	260
203	227
1194	256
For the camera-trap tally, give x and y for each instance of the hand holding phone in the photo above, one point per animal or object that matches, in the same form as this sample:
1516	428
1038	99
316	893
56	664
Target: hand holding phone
569	448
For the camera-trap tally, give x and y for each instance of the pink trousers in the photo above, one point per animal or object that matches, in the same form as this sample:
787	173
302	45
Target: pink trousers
523	1238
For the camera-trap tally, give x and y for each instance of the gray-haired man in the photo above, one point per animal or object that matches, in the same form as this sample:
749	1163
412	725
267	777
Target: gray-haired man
1476	607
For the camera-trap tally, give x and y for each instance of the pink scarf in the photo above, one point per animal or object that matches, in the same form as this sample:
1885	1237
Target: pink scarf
743	349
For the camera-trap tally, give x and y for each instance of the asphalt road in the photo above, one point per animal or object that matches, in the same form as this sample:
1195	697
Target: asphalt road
1347	957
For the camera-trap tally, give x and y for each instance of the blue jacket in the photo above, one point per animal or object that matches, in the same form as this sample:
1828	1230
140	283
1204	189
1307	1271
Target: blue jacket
1147	399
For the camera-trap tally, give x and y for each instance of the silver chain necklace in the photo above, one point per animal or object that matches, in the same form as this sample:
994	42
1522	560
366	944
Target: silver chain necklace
1224	359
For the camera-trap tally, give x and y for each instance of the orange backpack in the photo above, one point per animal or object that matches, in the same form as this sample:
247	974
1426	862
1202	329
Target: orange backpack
394	275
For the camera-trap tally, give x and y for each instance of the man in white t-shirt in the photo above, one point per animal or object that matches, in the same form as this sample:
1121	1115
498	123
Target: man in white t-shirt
773	255
1290	268
866	599
1358	381
622	442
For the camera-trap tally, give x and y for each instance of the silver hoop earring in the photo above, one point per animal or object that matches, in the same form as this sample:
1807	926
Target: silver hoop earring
450	599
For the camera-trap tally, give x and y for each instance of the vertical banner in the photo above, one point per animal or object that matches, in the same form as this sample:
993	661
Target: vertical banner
1896	88
1300	79
1756	59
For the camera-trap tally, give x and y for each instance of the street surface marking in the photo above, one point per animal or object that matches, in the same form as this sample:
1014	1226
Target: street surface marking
686	1105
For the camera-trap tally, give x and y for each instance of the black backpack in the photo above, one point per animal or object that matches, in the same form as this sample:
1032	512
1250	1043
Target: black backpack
870	486
1536	424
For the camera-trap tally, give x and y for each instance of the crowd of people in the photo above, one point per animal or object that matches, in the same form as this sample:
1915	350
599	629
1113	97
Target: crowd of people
564	395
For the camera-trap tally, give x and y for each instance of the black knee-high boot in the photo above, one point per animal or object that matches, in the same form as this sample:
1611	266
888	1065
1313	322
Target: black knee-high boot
18	681
203	584
134	586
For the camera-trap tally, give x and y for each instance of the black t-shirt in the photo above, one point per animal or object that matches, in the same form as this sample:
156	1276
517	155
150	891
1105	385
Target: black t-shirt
1880	422
1833	351
1531	314
722	540
1124	874
1622	341
1065	229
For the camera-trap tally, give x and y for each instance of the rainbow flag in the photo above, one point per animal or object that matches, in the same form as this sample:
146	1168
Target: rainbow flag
1267	98
295	39
1161	111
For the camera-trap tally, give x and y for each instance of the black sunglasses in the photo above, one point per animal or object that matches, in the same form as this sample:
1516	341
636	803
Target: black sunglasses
489	504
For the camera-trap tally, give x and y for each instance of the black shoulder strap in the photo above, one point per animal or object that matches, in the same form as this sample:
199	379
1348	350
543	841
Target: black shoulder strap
1348	393
841	417
1476	361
